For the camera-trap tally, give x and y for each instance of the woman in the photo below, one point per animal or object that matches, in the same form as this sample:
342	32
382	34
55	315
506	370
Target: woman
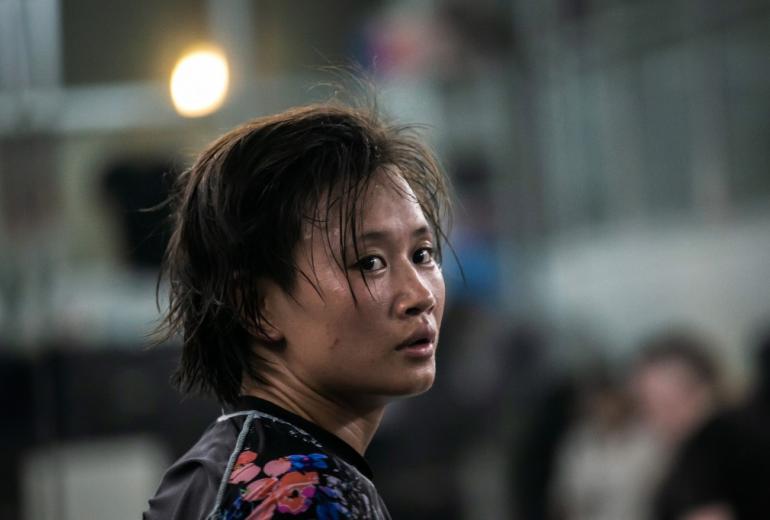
305	281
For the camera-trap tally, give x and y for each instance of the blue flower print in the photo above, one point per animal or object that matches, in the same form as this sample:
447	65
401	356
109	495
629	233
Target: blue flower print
311	461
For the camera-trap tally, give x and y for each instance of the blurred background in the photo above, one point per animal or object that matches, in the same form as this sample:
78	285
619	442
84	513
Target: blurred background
611	163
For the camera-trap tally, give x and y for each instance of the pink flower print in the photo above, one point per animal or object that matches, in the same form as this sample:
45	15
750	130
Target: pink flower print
245	457
244	474
292	494
296	491
264	511
260	489
245	470
277	467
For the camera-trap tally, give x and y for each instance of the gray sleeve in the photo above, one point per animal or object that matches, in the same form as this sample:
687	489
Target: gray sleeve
187	491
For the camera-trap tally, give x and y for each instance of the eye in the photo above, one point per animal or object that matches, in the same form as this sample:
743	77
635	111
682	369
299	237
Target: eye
371	263
424	255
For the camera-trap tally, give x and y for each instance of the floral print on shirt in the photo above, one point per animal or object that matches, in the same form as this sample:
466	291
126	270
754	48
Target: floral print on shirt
281	472
289	485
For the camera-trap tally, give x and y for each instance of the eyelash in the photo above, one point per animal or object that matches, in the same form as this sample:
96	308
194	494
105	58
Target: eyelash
429	250
360	264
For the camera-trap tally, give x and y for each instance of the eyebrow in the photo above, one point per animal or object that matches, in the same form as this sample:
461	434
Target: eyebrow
380	235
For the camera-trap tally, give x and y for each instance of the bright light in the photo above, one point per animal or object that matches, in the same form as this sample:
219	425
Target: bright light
199	83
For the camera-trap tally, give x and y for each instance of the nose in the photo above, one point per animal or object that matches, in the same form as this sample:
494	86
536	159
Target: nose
415	295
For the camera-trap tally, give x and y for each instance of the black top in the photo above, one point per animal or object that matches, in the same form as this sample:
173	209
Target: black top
726	462
262	462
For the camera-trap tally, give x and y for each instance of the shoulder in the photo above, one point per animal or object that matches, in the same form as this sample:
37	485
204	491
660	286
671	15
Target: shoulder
189	488
280	470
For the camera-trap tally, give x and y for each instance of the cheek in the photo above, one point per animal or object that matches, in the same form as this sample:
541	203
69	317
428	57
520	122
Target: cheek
349	309
439	291
372	295
316	310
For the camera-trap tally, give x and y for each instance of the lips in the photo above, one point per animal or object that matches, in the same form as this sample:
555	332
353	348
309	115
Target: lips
424	335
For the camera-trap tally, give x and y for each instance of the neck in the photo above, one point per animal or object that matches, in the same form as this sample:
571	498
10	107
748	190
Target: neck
354	423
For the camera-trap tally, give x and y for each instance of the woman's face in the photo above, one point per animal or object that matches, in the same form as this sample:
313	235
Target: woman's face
385	344
673	399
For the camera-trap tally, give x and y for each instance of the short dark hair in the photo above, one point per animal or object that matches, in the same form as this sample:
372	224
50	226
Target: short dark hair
239	211
686	346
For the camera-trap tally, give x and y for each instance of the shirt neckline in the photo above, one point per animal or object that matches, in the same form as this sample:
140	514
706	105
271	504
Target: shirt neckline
330	441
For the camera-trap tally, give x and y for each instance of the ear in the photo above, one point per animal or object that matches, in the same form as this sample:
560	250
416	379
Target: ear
270	296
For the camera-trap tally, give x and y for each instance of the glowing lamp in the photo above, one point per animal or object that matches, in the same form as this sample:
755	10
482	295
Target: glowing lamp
199	83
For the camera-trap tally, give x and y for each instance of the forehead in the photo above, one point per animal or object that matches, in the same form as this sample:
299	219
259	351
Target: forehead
389	197
386	201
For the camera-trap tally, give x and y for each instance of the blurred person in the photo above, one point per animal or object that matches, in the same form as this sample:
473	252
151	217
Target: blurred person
677	384
608	464
305	281
722	471
616	456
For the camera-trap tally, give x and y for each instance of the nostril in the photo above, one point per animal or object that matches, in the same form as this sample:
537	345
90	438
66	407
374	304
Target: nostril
413	311
420	307
414	303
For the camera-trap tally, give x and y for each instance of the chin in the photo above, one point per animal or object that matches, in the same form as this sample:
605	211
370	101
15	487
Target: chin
415	385
405	383
421	389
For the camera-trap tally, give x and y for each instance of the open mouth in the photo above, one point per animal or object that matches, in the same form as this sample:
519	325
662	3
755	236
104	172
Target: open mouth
420	342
